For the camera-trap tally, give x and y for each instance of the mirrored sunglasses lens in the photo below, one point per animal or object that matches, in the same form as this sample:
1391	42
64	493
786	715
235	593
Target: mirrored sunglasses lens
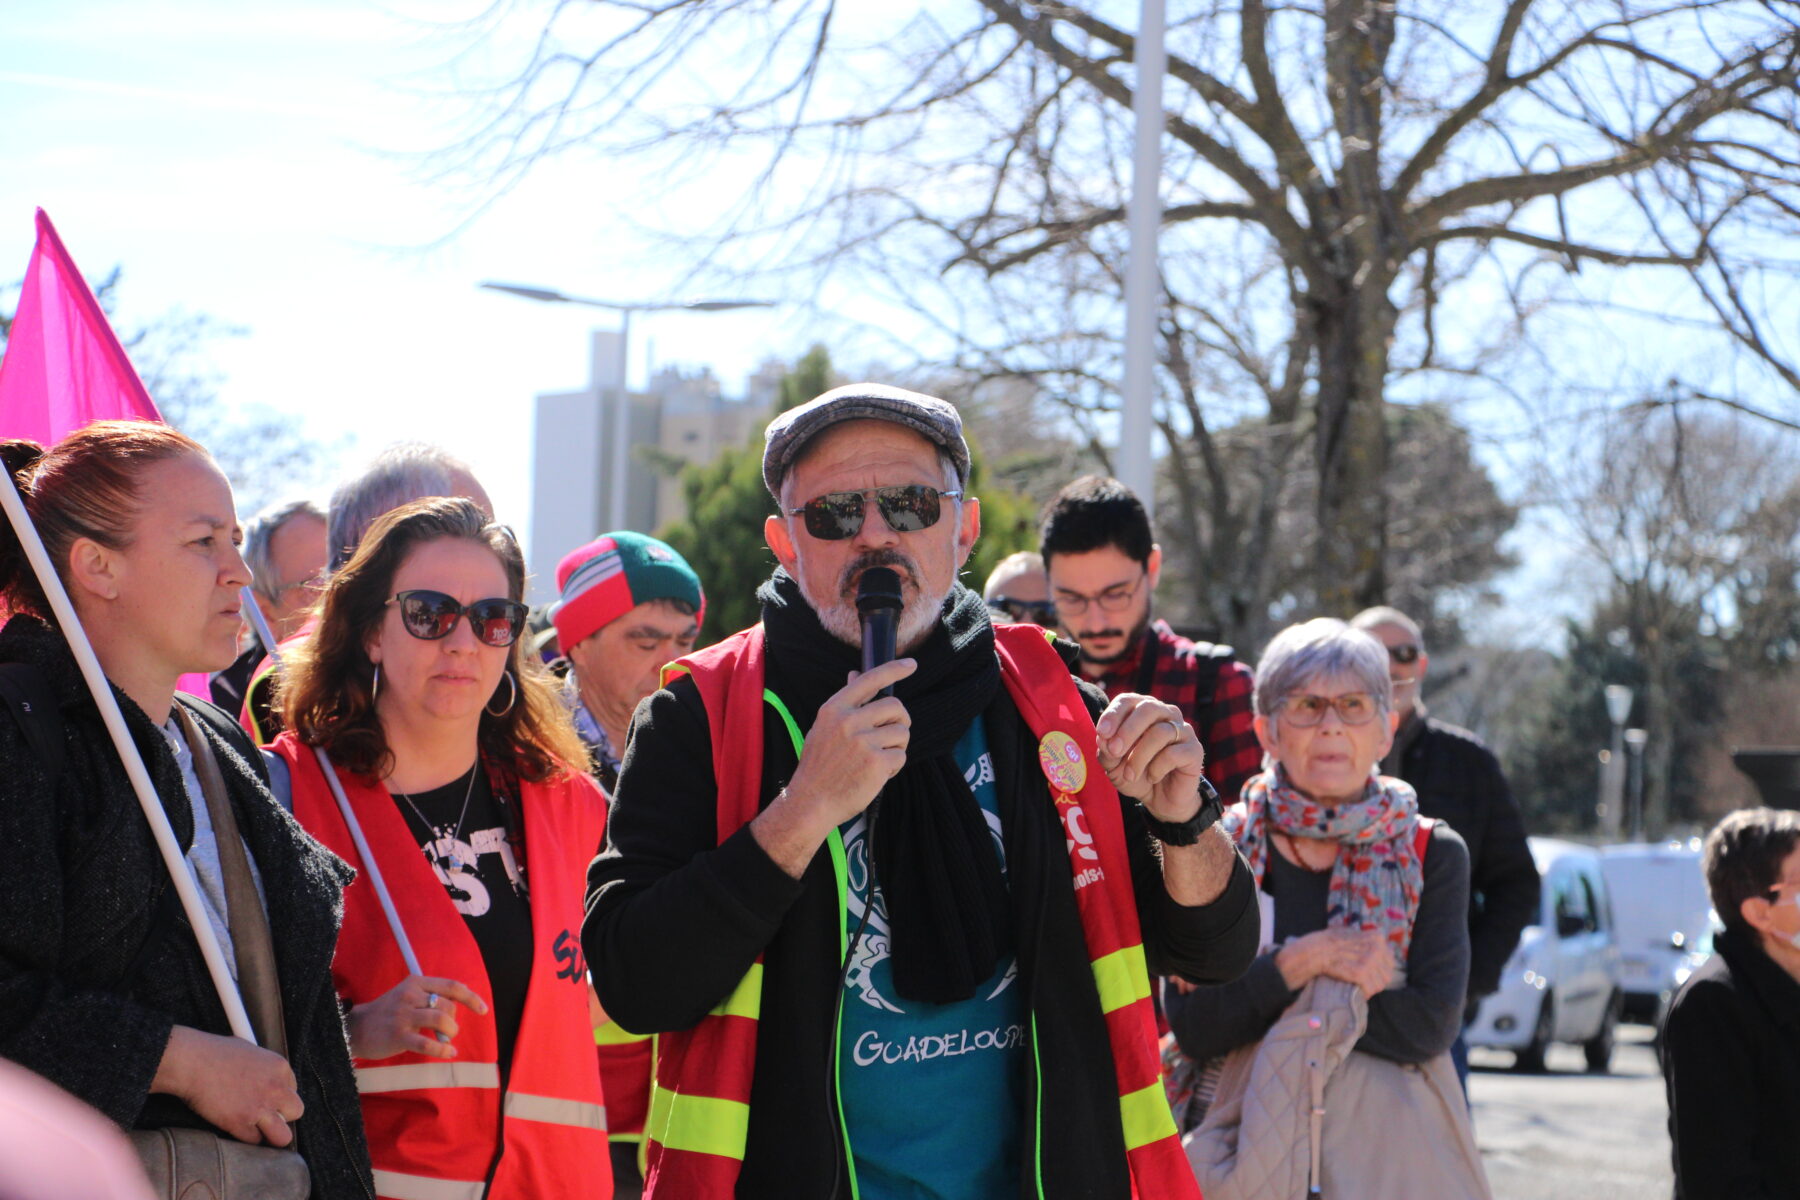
834	517
429	615
1404	654
496	622
908	509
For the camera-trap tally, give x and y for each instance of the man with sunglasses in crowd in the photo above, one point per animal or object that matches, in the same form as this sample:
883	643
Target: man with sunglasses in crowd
1459	781
1103	564
1017	590
944	993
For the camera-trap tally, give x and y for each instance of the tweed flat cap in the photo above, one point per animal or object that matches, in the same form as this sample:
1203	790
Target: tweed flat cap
936	420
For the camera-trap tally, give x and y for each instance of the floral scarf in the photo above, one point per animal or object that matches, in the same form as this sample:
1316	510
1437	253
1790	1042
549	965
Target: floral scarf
1378	875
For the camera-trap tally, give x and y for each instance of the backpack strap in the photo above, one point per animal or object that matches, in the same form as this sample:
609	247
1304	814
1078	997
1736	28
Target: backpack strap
1422	836
26	694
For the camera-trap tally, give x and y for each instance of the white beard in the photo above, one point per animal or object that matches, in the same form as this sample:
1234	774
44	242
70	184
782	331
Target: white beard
918	615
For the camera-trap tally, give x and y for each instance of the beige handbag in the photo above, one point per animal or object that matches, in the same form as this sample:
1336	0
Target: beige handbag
197	1164
1300	1113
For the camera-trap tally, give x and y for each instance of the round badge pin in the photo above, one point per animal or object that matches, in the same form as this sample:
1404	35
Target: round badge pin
1064	765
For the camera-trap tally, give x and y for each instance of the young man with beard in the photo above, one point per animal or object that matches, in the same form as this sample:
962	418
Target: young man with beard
945	995
1104	564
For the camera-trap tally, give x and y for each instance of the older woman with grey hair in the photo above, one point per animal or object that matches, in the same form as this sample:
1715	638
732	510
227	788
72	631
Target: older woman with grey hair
1359	889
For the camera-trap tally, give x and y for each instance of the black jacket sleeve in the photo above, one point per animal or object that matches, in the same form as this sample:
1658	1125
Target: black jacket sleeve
91	1041
675	919
1207	943
1503	879
1708	1056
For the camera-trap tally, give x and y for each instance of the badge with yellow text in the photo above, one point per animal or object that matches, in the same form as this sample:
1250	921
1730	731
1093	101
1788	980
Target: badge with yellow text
1063	764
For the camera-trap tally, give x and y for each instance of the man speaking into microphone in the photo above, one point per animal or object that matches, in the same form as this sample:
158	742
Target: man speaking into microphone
953	1000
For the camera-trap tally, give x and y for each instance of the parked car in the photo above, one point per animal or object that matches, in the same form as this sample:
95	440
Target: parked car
1659	898
1563	982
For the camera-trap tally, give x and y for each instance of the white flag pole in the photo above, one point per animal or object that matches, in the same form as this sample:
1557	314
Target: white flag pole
97	683
261	624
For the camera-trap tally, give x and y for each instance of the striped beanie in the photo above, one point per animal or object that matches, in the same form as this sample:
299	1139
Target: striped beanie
613	574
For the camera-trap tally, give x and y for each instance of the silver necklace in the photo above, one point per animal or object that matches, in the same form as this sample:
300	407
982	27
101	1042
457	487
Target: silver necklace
453	861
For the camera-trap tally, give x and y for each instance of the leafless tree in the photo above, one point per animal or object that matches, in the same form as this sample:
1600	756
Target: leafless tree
1361	196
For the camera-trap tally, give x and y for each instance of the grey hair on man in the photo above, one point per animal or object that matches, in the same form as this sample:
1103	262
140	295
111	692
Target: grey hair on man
1319	649
400	474
259	543
1382	614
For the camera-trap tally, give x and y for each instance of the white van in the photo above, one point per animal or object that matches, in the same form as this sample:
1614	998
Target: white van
1659	898
1562	984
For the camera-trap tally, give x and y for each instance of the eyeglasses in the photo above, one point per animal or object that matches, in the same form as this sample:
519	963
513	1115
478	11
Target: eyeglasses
1305	711
1404	654
312	583
906	508
1030	612
429	615
1114	599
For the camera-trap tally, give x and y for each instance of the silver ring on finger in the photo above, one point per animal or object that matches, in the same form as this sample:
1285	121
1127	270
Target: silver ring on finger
431	999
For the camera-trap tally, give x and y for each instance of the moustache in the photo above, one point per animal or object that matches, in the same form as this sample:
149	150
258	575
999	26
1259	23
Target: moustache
1096	634
878	558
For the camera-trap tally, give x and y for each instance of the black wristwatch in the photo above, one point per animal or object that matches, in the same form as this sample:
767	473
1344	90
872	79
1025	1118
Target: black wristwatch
1187	833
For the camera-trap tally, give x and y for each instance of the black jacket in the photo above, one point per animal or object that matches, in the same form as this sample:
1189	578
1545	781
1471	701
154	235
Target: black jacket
675	919
97	960
1459	781
1731	1061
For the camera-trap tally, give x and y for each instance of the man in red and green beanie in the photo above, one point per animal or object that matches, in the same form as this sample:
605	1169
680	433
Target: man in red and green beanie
629	604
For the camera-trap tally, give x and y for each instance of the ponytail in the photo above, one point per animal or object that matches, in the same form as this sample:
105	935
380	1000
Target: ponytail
18	586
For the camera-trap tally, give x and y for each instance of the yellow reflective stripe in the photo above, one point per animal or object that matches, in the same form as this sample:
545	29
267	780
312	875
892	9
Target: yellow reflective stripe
1123	978
1146	1116
554	1111
413	1076
746	998
610	1034
671	670
705	1125
392	1185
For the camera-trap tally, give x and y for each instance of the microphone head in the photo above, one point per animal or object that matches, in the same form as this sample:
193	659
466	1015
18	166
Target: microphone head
878	588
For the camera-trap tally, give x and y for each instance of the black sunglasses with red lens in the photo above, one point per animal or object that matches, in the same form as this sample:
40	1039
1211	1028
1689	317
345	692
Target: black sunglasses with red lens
429	615
906	508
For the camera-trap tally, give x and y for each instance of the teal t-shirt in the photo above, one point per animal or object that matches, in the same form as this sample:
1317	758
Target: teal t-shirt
932	1092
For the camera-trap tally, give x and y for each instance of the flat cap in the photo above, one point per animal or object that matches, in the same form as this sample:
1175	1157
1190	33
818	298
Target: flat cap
787	435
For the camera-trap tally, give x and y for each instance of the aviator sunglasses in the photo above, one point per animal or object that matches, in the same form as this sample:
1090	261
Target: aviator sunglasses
429	615
906	508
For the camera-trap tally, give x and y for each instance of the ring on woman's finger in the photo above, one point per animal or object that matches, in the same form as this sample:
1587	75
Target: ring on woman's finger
430	999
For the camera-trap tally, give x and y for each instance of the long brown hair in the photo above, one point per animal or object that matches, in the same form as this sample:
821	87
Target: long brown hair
85	486
326	690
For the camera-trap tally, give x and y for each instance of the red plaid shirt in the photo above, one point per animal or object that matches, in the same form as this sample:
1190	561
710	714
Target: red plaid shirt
1224	725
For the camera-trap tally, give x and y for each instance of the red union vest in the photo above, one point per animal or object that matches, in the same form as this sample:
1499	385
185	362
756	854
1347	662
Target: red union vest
700	1102
436	1125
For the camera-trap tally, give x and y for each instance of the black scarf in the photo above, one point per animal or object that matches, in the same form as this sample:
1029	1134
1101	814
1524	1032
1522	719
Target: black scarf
949	914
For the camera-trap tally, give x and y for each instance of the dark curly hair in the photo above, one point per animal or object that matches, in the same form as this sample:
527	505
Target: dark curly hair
326	690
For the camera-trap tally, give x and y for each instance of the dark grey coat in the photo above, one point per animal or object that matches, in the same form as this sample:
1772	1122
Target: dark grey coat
96	966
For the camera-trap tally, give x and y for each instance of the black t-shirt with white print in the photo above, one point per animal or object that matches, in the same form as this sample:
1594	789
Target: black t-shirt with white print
482	876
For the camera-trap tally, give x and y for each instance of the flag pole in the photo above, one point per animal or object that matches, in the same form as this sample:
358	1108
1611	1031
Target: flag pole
266	635
108	705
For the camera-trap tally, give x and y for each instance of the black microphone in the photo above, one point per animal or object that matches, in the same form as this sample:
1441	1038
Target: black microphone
878	600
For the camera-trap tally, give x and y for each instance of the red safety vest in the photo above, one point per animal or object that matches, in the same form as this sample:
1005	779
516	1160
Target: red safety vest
700	1103
439	1128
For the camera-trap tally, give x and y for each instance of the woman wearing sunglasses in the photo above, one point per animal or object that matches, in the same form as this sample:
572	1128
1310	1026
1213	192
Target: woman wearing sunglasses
1366	930
478	1077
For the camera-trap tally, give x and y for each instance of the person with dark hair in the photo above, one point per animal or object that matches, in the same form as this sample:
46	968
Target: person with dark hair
943	992
1459	780
459	762
400	474
103	988
1731	1040
1104	564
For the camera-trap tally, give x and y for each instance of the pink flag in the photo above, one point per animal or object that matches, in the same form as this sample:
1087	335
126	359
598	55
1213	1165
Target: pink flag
63	365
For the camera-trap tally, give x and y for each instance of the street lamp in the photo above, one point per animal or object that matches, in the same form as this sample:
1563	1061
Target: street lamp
1634	742
621	431
1618	707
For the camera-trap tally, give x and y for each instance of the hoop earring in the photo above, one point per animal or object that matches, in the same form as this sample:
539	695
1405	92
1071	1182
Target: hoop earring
512	698
375	688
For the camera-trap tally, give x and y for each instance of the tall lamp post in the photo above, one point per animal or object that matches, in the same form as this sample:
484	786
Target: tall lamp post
1618	707
621	415
1634	744
1143	279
